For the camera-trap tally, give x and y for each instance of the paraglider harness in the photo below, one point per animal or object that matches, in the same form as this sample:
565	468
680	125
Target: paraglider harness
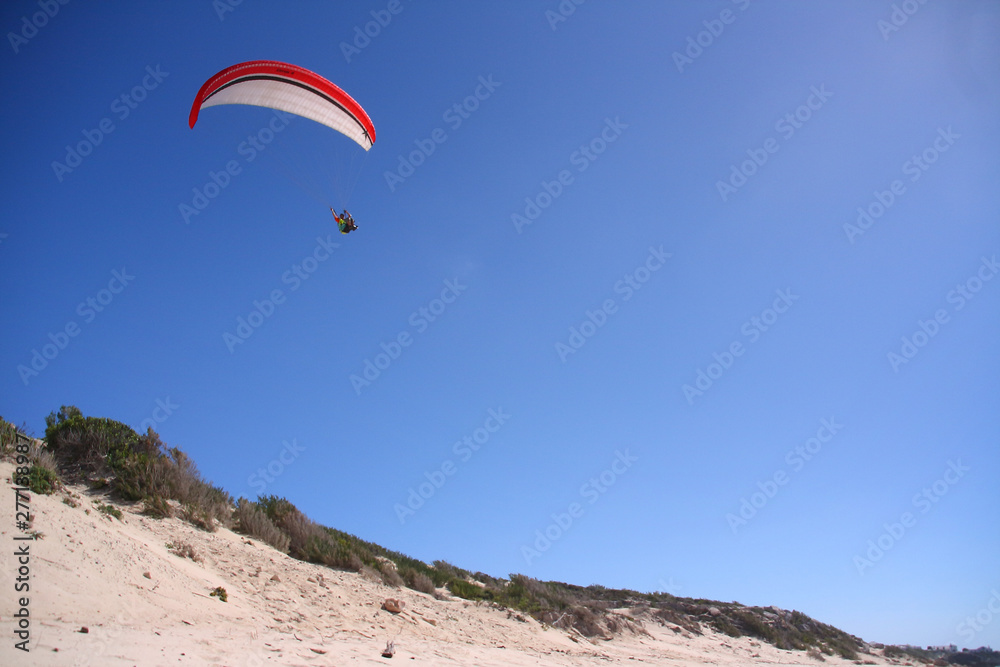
345	222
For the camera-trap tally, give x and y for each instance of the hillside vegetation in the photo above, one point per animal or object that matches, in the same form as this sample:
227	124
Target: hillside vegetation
108	454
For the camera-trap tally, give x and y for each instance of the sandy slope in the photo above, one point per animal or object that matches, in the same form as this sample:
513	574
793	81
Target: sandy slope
88	570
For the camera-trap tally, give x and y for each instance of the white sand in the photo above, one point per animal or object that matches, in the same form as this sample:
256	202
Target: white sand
88	570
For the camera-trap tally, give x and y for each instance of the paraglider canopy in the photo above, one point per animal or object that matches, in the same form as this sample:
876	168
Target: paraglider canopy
277	85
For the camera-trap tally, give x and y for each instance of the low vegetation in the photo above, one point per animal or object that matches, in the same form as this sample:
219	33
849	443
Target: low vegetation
110	456
184	550
8	438
110	510
36	467
915	655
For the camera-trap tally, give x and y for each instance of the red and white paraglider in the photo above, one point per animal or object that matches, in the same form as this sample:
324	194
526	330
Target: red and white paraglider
292	89
276	85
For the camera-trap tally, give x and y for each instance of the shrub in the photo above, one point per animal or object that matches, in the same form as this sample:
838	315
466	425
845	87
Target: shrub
183	482
157	507
42	480
110	510
390	576
42	472
252	521
89	445
65	413
312	542
449	571
220	593
845	650
722	624
352	562
141	467
815	654
419	581
307	539
8	437
680	619
586	622
199	517
465	590
752	624
184	550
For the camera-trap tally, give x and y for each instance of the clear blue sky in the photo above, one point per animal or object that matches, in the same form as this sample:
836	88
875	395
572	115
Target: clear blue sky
636	230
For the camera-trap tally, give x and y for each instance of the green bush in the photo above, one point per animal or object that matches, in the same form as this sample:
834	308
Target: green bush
65	413
464	589
157	507
8	437
36	469
445	572
252	521
755	626
140	467
42	480
89	445
110	510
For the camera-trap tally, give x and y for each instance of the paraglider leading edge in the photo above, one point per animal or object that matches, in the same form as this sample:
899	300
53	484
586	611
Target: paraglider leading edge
289	88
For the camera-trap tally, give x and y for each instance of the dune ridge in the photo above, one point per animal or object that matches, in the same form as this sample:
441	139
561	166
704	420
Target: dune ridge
144	604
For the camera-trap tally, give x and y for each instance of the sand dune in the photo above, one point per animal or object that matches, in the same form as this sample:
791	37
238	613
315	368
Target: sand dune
144	605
